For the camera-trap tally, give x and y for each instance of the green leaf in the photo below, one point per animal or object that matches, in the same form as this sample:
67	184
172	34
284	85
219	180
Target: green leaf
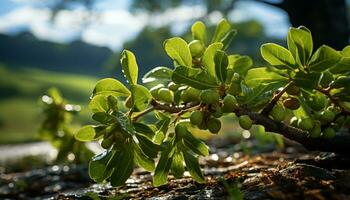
325	57
142	160
342	82
307	80
240	64
222	28
115	158
162	126
221	62
112	102
208	57
88	133
193	167
147	146
300	44
177	166
177	49
129	65
125	124
343	65
346	51
162	170
277	56
99	104
196	145
195	78
141	97
303	111
123	169
199	32
226	41
260	94
157	74
143	129
103	118
111	86
262	75
344	97
98	166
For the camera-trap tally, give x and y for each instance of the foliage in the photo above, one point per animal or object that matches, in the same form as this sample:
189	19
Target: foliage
57	129
205	84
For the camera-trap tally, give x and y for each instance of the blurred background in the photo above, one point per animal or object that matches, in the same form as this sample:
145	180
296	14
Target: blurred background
70	44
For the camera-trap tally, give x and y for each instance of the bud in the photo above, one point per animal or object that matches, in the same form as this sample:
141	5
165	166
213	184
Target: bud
214	125
196	117
166	95
245	122
197	48
209	96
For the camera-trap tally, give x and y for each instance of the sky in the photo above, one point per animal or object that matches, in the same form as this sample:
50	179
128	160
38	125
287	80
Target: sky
113	23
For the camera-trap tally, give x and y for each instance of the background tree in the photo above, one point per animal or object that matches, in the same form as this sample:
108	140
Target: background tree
327	18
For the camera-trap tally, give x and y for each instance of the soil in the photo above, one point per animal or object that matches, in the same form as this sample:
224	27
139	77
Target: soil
231	173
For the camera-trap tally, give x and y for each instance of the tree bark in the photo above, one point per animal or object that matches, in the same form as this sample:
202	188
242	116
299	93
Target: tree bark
339	144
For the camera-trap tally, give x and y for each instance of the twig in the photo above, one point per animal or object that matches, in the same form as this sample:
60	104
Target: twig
172	109
274	100
168	108
335	101
188	109
136	117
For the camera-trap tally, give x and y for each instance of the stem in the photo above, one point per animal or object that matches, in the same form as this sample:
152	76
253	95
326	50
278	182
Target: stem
136	117
188	109
168	108
274	100
172	109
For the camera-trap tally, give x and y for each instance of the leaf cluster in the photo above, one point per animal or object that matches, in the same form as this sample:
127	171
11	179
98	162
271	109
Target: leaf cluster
204	84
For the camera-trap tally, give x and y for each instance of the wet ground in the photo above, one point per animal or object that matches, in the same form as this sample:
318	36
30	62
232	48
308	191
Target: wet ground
289	173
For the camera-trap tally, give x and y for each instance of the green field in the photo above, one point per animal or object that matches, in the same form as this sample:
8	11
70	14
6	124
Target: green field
20	113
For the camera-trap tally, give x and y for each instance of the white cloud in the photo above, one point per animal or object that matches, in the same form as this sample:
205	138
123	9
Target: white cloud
179	14
273	19
112	27
108	28
23	16
102	35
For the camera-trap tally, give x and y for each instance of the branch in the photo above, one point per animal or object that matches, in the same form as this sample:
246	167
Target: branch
168	108
339	144
274	100
136	117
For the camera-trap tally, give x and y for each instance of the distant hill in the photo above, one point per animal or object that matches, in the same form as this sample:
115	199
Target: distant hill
25	49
